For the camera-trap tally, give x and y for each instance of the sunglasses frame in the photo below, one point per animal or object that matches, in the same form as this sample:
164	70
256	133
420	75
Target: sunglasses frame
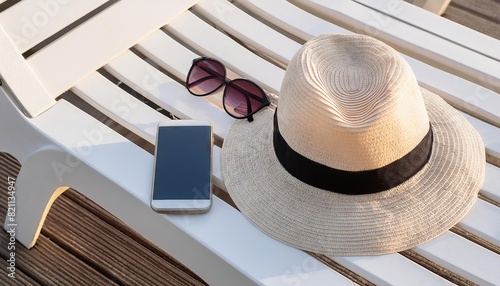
226	83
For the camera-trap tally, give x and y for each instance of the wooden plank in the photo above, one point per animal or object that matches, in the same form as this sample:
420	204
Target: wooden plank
20	278
46	263
49	264
68	225
484	8
77	54
478	23
436	6
9	167
105	216
70	237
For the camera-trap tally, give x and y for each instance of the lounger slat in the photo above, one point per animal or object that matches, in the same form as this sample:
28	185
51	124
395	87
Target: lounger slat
249	30
131	113
470	97
77	54
463	257
210	42
168	53
409	40
119	105
30	22
166	92
474	99
390	269
491	188
443	27
290	18
489	133
483	220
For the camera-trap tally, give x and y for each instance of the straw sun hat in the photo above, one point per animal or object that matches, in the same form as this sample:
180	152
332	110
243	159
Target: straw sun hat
357	159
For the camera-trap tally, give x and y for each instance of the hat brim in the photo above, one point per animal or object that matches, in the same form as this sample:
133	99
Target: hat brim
312	219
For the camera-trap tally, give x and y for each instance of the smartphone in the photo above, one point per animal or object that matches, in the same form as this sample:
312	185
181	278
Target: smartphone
182	180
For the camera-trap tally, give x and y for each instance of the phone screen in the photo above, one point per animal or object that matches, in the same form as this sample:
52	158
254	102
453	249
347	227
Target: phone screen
183	163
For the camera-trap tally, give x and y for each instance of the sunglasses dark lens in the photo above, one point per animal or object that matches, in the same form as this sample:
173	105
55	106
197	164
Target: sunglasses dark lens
242	98
205	77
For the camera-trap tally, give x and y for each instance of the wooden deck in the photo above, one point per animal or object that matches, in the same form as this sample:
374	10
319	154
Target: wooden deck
82	244
480	15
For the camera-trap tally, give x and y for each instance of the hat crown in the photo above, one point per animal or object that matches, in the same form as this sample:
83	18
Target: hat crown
351	102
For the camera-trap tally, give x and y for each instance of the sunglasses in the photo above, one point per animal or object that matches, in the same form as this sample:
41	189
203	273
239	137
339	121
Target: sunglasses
241	99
